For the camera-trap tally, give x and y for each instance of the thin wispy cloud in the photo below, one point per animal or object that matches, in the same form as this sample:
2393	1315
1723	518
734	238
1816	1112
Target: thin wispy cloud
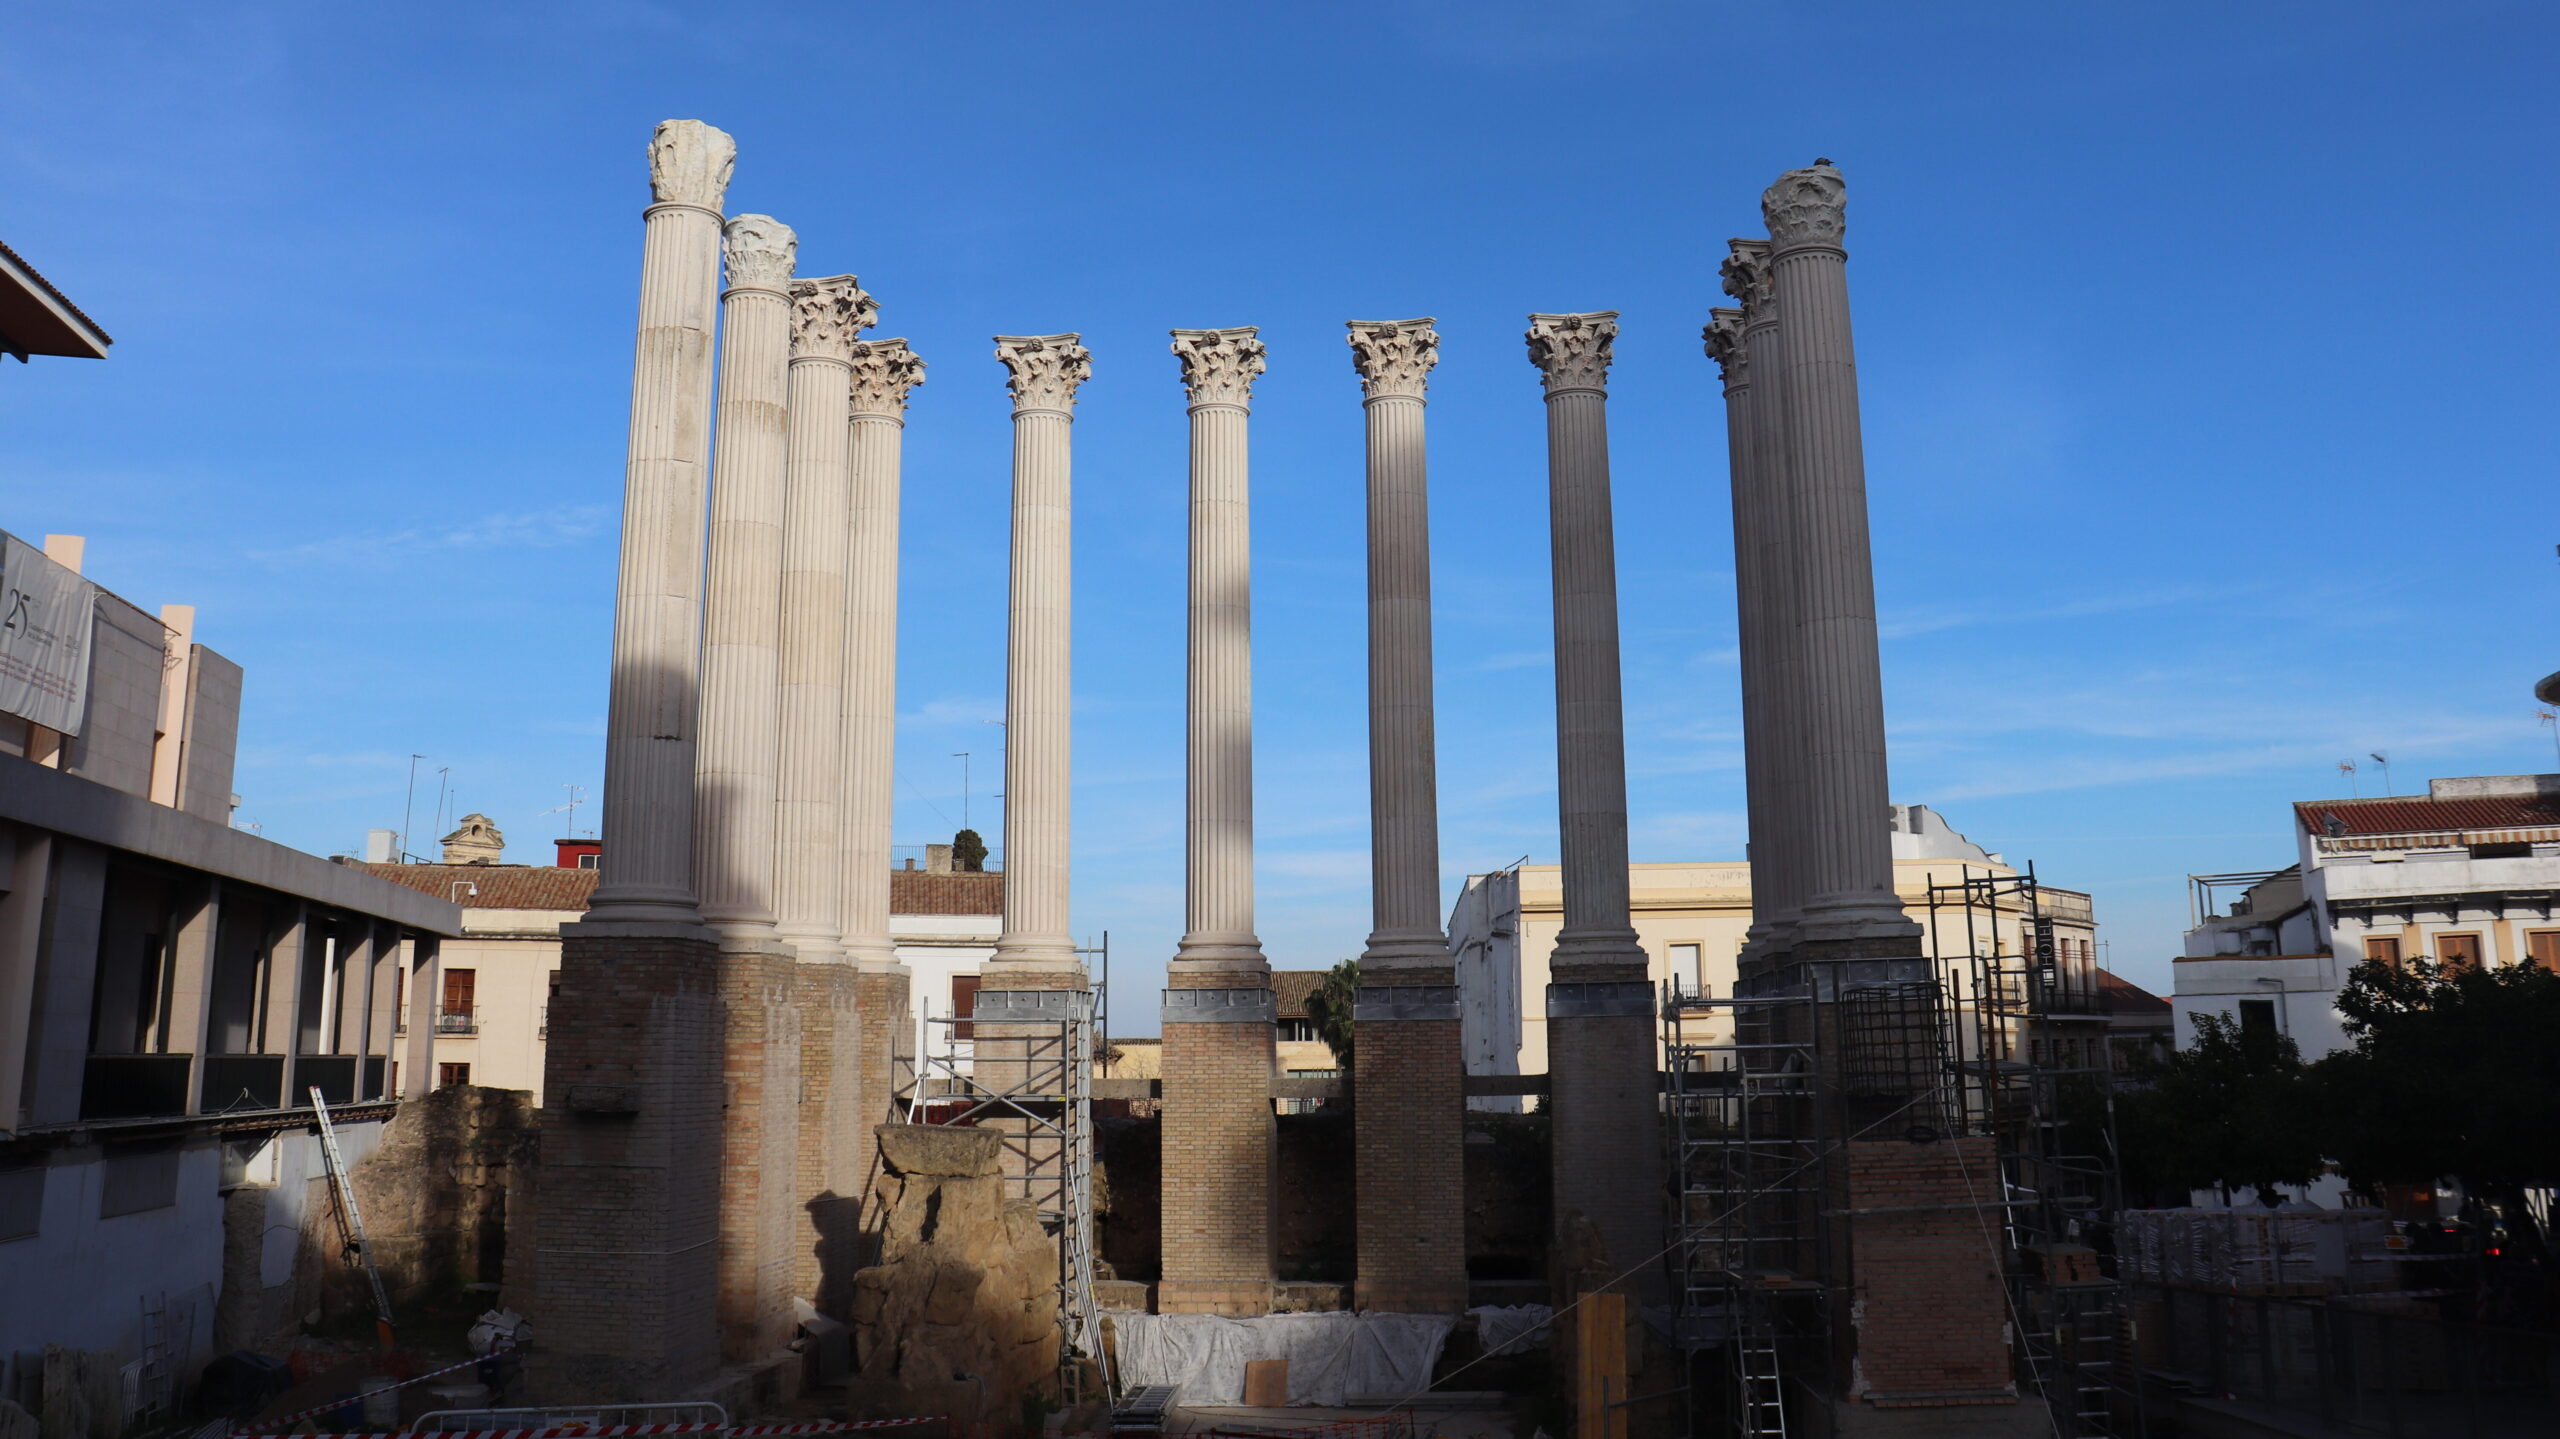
553	528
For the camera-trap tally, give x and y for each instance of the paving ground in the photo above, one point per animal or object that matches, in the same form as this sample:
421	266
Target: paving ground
1488	1421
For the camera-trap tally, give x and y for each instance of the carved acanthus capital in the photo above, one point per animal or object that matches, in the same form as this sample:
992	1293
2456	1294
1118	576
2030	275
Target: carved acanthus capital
1218	366
828	315
1807	208
760	250
1749	279
1572	351
1394	357
1043	370
1724	343
883	372
689	163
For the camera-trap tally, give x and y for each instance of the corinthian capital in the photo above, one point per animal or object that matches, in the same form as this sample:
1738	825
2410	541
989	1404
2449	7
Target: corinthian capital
1748	278
1218	366
689	163
883	372
1043	370
760	249
1724	342
1807	208
1394	357
828	315
1572	351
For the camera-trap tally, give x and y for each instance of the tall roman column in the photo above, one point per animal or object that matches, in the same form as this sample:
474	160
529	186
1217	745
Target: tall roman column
742	613
734	791
1409	1199
884	371
624	1263
1849	906
1035	949
657	616
1218	1009
1600	1042
827	316
1745	343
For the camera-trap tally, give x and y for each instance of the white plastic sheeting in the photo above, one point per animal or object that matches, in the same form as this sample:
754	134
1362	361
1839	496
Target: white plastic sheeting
1331	1356
1512	1328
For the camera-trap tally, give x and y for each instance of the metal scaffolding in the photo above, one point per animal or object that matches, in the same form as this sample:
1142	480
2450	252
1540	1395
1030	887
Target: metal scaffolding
1021	1065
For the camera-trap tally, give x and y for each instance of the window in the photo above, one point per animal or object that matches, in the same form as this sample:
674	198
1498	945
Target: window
2458	952
2501	851
590	861
450	1075
1302	1031
1688	968
964	1002
138	1177
455	1016
2383	949
2257	1016
2542	948
21	1202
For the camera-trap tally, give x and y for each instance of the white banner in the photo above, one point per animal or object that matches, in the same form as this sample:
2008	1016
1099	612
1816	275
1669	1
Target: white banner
45	614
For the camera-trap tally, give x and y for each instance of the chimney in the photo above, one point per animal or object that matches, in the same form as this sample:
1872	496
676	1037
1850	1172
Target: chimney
937	859
381	846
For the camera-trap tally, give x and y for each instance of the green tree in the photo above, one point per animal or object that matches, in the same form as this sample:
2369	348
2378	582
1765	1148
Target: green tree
968	852
2235	1110
1330	1008
2454	1072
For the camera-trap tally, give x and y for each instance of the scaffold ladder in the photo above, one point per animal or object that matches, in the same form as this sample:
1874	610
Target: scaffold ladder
1758	1385
350	1218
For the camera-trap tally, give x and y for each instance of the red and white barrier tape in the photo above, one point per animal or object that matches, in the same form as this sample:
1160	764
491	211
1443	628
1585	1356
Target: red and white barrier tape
602	1431
289	1420
823	1427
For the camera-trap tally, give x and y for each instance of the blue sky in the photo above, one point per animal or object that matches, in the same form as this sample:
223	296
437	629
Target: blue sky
2206	354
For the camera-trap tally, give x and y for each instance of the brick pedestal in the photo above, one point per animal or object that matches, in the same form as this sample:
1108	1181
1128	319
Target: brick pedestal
884	1026
826	1213
1930	1311
1221	1154
627	1210
1607	1124
760	1019
1409	1197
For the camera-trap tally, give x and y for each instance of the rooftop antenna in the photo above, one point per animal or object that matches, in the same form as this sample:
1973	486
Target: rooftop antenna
2551	722
577	794
2347	767
963	757
444	780
408	811
2384	760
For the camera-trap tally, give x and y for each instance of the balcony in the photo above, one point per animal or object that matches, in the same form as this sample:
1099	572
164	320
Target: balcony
134	1086
457	1019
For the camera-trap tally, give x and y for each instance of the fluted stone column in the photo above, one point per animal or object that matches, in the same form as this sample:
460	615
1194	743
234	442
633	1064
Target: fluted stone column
657	617
827	316
1218	1009
1745	343
734	792
1600	1043
1849	907
884	371
742	613
626	1237
1409	1195
1035	949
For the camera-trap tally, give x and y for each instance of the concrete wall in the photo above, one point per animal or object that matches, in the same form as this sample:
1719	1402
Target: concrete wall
2303	988
126	657
210	746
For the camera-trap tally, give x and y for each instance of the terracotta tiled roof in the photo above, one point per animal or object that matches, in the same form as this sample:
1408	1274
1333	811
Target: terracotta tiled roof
917	891
2127	997
494	886
2416	815
1290	988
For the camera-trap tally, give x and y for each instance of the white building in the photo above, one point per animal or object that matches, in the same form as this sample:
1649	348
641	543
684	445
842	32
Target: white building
2466	874
1690	919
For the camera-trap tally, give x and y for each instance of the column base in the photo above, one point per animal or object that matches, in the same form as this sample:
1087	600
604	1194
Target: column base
1605	1116
624	1273
761	1061
826	1218
1409	1113
1221	1158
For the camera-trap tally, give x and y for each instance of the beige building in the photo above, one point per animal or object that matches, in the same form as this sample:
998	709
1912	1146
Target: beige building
1691	918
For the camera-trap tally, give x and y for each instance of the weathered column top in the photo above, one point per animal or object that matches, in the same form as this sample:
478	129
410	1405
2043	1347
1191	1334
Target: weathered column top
1724	346
1748	279
827	316
1218	366
883	372
1572	351
1394	357
1807	210
689	165
760	250
1043	371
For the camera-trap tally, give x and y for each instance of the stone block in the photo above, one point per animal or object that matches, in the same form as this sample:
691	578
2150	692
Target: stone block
940	1149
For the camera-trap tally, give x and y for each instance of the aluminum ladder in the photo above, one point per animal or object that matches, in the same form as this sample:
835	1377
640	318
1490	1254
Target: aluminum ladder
350	1218
1759	1391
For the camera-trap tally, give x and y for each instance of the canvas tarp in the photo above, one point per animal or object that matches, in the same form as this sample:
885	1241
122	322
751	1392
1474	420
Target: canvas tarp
1331	1356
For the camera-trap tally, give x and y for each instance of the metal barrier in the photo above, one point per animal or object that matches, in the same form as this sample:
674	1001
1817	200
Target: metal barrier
2369	1365
594	1417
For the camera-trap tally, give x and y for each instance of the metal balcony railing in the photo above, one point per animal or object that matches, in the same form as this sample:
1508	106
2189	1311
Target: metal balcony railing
457	1020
